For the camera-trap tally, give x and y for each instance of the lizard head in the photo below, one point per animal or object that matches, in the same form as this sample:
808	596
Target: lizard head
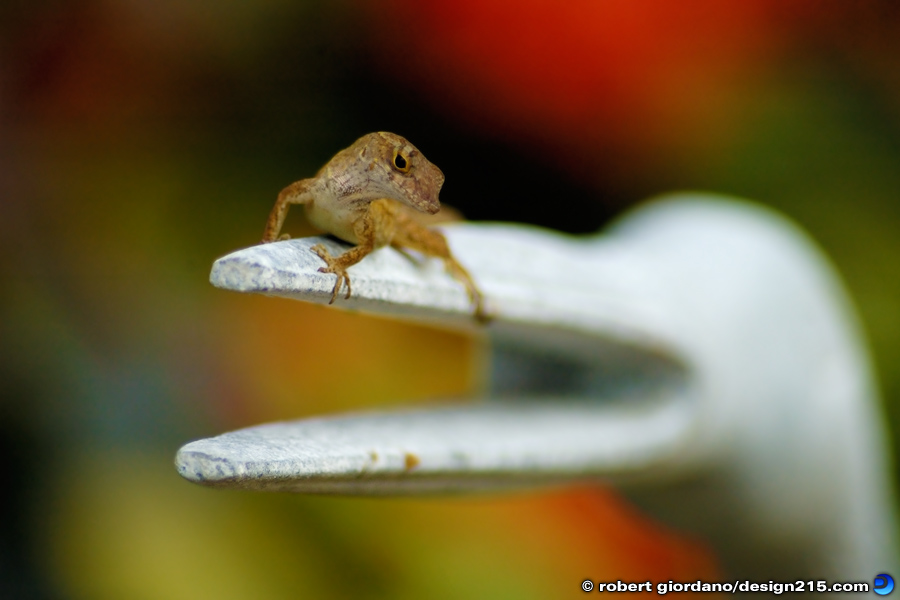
386	165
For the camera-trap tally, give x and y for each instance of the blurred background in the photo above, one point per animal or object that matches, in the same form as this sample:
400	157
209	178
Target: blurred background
141	140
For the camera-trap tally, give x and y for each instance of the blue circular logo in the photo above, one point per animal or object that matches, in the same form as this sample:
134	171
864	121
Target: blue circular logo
884	584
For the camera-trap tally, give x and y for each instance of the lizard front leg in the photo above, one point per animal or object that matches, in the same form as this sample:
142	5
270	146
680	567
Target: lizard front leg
373	230
339	264
296	193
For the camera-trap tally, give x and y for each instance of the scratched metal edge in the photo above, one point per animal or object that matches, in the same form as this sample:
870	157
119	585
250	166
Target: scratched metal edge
428	294
351	454
397	484
388	284
407	482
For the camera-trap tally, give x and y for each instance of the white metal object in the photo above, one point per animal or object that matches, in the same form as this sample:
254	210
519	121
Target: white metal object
700	354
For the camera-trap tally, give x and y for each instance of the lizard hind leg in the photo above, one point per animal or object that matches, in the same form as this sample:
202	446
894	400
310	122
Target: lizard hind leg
412	235
460	274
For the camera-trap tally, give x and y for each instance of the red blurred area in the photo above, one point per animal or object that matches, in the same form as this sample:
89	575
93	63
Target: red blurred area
571	77
85	63
630	548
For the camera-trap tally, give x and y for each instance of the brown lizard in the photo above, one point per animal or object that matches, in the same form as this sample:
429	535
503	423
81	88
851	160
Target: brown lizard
368	195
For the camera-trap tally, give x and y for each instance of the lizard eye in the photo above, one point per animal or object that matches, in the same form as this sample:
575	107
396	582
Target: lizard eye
401	163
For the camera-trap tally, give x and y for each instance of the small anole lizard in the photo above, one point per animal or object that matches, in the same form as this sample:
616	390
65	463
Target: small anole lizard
368	195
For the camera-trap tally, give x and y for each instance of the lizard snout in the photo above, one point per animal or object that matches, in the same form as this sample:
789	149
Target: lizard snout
429	182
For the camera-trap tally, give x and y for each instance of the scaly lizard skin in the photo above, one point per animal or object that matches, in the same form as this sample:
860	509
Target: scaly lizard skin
367	195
